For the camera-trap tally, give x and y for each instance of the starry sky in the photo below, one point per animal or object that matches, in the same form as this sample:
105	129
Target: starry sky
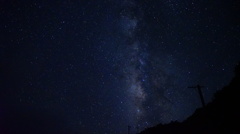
98	67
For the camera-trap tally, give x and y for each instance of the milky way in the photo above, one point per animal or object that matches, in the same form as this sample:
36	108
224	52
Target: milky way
134	59
148	77
156	79
99	66
144	82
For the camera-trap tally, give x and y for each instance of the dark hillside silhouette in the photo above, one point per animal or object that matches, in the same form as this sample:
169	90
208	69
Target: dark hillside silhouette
221	116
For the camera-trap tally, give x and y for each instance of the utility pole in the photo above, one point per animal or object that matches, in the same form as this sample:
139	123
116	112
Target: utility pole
200	93
129	129
137	128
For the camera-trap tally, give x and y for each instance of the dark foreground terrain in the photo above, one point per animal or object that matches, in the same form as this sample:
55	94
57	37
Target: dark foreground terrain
221	116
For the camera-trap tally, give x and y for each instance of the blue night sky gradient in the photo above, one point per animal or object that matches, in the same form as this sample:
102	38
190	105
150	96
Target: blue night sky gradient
99	66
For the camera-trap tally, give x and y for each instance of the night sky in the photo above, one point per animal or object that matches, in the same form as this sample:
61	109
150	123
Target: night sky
97	66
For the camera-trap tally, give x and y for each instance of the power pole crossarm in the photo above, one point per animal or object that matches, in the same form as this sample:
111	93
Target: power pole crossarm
200	93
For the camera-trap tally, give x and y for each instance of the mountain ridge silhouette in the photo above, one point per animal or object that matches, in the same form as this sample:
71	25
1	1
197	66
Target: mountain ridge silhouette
218	117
